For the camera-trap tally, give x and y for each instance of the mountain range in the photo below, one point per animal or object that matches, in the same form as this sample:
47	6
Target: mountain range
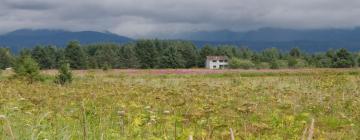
284	39
274	35
26	38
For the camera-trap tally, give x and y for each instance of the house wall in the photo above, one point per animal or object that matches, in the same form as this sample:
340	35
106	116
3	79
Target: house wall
215	65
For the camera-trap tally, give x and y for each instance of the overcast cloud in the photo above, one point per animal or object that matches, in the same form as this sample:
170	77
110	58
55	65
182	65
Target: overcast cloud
149	18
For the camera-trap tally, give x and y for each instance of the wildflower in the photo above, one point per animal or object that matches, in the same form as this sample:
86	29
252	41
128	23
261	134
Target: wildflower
121	113
147	107
16	108
166	112
29	113
2	117
153	118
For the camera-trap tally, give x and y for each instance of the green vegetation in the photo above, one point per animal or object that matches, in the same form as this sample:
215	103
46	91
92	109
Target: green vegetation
76	56
157	54
65	75
26	68
6	59
115	105
243	64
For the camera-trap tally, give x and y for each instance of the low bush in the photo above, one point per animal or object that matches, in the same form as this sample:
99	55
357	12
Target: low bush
241	64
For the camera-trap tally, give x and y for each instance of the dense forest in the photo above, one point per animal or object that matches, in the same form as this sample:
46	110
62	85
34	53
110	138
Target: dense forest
153	54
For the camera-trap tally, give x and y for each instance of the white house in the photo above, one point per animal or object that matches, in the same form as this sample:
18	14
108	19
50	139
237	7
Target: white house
216	62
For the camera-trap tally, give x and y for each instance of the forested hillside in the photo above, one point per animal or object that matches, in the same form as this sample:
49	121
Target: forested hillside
150	54
311	41
28	38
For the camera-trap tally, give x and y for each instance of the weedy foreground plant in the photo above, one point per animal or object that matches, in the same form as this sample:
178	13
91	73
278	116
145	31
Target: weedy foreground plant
109	105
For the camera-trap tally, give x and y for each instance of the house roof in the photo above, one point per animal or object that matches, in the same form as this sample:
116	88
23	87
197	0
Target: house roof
216	58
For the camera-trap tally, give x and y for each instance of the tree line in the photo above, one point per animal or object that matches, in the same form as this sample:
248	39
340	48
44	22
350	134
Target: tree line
154	54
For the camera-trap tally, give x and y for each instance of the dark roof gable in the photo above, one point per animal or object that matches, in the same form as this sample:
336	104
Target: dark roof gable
216	58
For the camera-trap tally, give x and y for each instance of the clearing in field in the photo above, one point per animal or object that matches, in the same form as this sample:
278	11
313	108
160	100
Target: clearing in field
177	104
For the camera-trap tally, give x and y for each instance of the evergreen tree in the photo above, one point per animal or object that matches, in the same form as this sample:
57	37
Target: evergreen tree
343	59
274	65
75	55
147	54
243	53
236	63
295	52
171	58
320	60
128	57
188	53
331	54
106	56
292	62
204	52
27	68
44	56
256	58
6	59
65	75
225	51
270	55
60	57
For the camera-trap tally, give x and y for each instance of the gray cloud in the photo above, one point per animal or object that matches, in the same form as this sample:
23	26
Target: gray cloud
29	5
149	18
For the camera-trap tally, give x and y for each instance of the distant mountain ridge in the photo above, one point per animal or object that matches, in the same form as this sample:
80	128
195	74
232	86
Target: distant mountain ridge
273	35
308	40
26	38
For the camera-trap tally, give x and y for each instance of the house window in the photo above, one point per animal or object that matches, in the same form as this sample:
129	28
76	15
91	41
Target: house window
221	61
225	61
214	61
214	67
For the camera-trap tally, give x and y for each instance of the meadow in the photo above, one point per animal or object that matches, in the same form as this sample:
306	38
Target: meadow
178	104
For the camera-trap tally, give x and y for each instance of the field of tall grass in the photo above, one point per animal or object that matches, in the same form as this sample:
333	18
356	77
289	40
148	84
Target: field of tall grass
121	105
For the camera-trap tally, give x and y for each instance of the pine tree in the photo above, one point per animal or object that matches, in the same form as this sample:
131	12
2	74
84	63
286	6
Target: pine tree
343	59
204	52
27	68
188	53
75	55
65	75
6	59
44	56
127	57
147	53
172	59
292	62
295	52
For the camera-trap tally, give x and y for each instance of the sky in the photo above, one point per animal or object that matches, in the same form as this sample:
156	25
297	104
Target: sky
151	18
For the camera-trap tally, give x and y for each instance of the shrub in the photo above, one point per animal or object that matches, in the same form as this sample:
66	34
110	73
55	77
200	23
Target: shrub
301	63
262	65
274	65
106	66
27	68
282	63
65	75
243	64
292	62
277	64
343	59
